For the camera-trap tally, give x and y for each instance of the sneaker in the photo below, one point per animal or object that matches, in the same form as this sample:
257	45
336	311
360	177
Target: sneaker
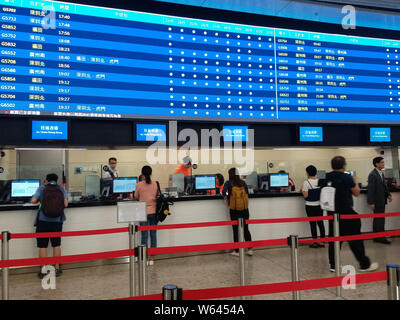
314	245
332	269
234	253
58	272
41	275
373	266
250	252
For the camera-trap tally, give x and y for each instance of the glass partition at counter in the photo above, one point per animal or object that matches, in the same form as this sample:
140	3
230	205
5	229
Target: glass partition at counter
83	178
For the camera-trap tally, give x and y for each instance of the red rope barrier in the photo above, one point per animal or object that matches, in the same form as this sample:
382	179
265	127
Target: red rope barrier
66	259
68	233
188	225
369	215
215	247
157	296
270	288
283	220
354	237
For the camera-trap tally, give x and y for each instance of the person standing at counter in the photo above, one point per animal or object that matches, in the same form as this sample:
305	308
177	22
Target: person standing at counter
311	193
185	167
112	172
346	187
378	195
50	217
147	191
235	193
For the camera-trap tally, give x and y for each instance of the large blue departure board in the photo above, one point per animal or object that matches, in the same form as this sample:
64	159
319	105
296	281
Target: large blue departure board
60	59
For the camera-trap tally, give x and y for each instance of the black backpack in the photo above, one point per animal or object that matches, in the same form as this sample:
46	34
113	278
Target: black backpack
163	204
53	201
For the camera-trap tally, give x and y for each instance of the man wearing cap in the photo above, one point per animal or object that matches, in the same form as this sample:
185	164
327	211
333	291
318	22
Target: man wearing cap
185	167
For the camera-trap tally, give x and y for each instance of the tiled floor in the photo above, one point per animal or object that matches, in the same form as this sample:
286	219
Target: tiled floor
210	271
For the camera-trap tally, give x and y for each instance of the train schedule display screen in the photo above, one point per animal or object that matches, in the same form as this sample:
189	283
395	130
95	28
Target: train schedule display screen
63	59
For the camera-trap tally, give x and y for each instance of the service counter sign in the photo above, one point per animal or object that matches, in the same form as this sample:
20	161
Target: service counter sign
311	134
379	135
49	130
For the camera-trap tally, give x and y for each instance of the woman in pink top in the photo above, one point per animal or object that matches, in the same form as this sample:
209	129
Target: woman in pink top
147	191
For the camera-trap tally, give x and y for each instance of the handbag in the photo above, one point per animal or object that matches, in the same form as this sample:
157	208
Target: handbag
162	209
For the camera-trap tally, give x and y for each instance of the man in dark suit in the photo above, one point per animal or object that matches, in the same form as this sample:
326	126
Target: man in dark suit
378	194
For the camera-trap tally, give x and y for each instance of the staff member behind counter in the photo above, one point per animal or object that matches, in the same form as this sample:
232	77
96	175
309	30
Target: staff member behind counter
185	167
112	172
219	184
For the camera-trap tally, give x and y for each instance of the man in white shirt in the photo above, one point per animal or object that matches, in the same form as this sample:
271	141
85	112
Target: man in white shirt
113	172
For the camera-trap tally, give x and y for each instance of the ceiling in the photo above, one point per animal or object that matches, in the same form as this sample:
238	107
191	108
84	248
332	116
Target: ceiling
383	4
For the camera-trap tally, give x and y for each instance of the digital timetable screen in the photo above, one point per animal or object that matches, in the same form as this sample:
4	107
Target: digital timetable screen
85	61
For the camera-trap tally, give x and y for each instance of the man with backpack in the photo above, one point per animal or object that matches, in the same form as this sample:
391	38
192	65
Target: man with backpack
345	188
235	193
50	217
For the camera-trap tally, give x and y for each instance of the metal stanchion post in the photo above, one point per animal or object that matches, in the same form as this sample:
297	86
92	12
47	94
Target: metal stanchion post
5	256
293	242
132	265
171	292
393	281
241	253
142	250
336	244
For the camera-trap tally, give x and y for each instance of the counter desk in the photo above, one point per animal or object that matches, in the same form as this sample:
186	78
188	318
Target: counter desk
187	209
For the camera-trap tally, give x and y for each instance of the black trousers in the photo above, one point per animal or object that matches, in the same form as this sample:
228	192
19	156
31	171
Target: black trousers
236	215
379	223
316	211
348	227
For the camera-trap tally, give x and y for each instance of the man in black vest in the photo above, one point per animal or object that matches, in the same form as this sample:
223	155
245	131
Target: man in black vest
378	194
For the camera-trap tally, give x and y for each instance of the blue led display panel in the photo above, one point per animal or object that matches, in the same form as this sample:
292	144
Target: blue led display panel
235	133
151	132
64	59
49	130
379	135
311	134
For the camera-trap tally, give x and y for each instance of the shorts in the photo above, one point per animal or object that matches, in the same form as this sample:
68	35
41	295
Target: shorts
44	226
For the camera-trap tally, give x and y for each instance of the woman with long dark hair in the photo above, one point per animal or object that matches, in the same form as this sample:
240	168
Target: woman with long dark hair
235	194
147	190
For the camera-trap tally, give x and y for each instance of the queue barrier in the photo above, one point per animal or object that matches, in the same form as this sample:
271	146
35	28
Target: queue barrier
6	236
270	288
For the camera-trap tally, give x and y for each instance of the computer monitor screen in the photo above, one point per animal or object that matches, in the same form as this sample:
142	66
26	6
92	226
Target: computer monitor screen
124	185
379	135
49	130
151	132
204	182
24	188
279	180
235	133
310	134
